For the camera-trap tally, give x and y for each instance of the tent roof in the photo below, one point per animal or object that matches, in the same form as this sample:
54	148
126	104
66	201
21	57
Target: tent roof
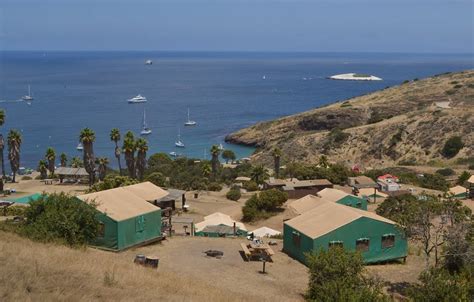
304	204
457	190
219	219
471	179
333	195
243	178
363	180
327	216
146	190
68	171
370	192
119	203
264	232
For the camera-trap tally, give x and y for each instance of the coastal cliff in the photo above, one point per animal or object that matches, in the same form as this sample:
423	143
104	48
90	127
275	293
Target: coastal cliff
409	123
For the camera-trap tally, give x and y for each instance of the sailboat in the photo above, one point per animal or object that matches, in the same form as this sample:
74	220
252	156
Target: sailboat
79	147
189	122
179	143
221	147
145	129
27	97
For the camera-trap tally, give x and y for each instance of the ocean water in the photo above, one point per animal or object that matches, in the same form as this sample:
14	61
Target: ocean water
224	92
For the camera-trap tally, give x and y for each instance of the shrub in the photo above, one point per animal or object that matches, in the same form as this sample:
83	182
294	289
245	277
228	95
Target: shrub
434	182
213	186
250	186
61	217
452	146
26	177
157	179
233	194
262	205
111	182
15	211
463	177
445	172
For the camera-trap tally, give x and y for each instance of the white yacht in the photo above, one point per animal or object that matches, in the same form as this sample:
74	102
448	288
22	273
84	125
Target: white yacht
221	147
79	147
174	154
179	143
190	122
138	99
27	97
148	62
145	129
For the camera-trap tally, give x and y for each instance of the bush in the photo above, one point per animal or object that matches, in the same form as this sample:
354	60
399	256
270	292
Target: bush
15	211
250	186
61	217
26	177
263	205
434	182
213	186
111	182
157	178
463	178
233	194
452	146
445	172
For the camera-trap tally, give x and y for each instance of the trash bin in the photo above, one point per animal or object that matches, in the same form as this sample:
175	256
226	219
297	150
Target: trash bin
152	261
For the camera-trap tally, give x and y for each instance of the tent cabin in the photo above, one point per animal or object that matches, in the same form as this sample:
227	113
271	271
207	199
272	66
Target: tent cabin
342	197
296	188
156	195
70	174
470	183
265	232
458	192
126	219
359	182
219	225
332	224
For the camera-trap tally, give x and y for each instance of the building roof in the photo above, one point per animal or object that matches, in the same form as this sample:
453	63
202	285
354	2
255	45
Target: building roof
471	179
333	195
265	232
363	181
243	178
218	219
173	194
328	216
146	190
291	183
388	176
370	192
68	171
457	190
304	204
119	203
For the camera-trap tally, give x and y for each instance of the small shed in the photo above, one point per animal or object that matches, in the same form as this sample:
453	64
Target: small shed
459	192
126	219
332	224
210	226
362	181
342	197
169	201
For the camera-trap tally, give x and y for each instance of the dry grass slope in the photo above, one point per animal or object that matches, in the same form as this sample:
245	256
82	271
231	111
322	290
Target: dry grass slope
401	123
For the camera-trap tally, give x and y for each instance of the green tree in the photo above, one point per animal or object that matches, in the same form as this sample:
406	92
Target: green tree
50	157
215	151
259	174
63	159
206	170
102	163
452	146
14	143
111	182
463	178
87	138
142	147
264	204
43	169
276	154
233	194
115	137
157	178
338	275
403	209
76	162
323	161
61	217
228	155
129	148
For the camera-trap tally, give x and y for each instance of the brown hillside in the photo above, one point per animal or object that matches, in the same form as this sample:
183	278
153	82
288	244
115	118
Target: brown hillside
405	123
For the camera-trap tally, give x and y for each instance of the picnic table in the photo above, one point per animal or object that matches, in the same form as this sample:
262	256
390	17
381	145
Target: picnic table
255	250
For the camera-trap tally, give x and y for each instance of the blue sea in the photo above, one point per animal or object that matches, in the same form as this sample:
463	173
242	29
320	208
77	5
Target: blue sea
224	92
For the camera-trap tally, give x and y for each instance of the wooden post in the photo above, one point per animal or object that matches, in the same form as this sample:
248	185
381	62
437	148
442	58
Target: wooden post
375	195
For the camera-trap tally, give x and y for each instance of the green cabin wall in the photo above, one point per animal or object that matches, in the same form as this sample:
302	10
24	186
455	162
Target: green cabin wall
139	229
361	228
109	240
355	202
240	233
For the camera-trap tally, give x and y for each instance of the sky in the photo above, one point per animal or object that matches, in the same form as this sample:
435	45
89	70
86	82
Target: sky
407	26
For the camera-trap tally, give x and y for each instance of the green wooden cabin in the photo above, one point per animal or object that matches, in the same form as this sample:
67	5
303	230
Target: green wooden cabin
329	223
126	219
344	198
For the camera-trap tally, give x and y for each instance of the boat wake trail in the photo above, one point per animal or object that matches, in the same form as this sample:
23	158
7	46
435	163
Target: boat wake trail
12	101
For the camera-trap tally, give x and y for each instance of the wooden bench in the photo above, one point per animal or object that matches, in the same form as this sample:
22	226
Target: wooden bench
246	251
270	252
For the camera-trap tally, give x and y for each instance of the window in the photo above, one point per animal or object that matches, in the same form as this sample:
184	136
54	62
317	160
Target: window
388	240
101	231
336	243
362	244
359	204
296	239
139	224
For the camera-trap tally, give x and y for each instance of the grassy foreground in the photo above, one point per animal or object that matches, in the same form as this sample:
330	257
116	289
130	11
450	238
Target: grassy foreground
33	271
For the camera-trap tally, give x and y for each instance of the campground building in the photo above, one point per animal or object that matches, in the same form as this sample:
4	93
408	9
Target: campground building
296	188
459	192
470	183
220	225
341	197
330	224
126	216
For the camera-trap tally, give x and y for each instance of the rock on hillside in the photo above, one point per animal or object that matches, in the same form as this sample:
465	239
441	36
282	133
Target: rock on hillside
405	123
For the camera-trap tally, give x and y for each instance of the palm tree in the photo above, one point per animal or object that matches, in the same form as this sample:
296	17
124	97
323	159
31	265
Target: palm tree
259	174
215	151
323	161
50	157
63	159
142	147
276	154
87	138
2	142
206	170
43	168
102	169
129	148
76	162
14	143
115	137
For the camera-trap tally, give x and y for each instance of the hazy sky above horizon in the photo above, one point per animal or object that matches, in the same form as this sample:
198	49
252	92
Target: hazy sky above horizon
425	26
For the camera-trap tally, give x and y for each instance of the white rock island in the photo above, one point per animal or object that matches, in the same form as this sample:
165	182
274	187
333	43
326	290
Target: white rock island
355	77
